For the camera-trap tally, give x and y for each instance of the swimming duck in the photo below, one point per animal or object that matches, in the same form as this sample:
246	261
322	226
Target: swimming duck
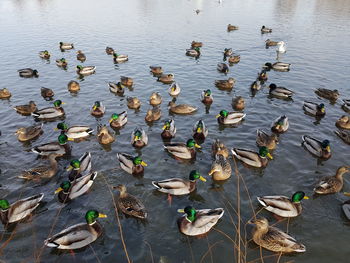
270	43
196	44
153	114
50	112
220	168
5	93
79	235
193	52
332	184
81	56
238	103
316	147
280	92
19	209
118	58
265	30
104	135
28	73
225	117
218	147
283	206
174	89
332	95
314	109
273	239
44	54
344	135
155	99
343	122
118	120
40	172
133	102
66	46
166	78
87	70
73	86
346	106
28	133
262	76
281	47
223	68
60	148
79	167
207	97
263	139
198	222
232	27
182	150
131	164
256	85
129	204
251	158
26	109
225	84
278	66
76	131
109	51
116	88
280	125
233	59
156	70
46	93
199	131
228	52
181	108
62	62
98	110
126	81
169	129
139	138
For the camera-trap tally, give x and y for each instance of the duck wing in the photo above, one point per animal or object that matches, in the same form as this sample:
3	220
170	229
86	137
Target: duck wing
23	207
81	185
247	156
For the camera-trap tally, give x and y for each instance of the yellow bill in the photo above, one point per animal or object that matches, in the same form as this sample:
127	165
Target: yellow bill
328	148
197	146
269	155
110	120
143	163
164	127
202	179
306	197
100	215
180	210
217	116
56	129
70	139
59	189
69	168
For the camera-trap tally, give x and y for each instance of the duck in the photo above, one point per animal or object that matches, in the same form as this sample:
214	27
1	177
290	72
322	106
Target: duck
331	95
98	109
129	204
233	59
343	122
131	164
42	172
26	109
346	106
193	52
60	147
66	46
283	206
155	99
254	159
174	90
265	30
133	102
116	88
44	54
76	131
153	114
346	207
62	62
79	167
281	47
223	68
169	129
156	70
198	222
280	92
232	27
126	81
280	125
238	103
316	147
207	97
50	112
262	76
87	70
79	235
181	108
119	58
225	84
228	52
225	117
81	56
166	78
118	120
18	210
28	73
332	184
273	239
263	139
196	44
220	168
256	85
199	131
46	93
73	86
25	134
5	93
109	51
278	66
139	138
219	148
270	43
184	151
104	135
314	109
344	135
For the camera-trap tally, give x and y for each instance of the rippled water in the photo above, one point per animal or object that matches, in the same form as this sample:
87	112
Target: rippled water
158	32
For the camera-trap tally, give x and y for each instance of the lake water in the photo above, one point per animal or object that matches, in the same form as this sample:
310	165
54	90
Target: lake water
157	32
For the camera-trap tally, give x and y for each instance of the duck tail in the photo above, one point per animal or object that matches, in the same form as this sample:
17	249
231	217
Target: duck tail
261	201
155	184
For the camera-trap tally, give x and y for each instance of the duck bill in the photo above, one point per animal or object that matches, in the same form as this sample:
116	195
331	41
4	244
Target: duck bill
63	103
278	127
212	171
143	164
110	121
202	179
69	168
323	110
199	130
197	146
181	211
217	116
136	138
328	149
100	215
306	197
269	155
55	129
94	107
59	189
164	127
70	139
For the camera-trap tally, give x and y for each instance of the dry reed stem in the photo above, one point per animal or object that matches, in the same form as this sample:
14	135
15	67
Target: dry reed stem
93	251
150	250
209	249
188	241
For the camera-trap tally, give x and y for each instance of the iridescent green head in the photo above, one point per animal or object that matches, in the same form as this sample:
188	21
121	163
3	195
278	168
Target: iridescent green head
326	145
137	134
138	161
264	152
62	126
166	125
298	196
75	164
97	104
79	67
92	215
197	49
191	213
191	144
4	204
194	175
115	55
65	185
62	139
223	113
63	60
114	116
207	92
57	103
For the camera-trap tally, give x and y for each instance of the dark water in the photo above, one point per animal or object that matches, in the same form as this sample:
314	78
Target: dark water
158	32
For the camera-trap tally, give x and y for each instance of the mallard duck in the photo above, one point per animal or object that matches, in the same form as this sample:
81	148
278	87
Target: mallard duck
196	44
155	99
233	59
62	62
344	135
199	131
183	150
50	112
238	103
119	58
44	54
126	81
40	172
104	135
251	158
228	52
256	85
26	109
131	164
283	206
28	73
133	102
5	93
139	138
232	27
193	52
87	70
280	92
346	106
169	130
262	76
79	167
281	47
118	120
76	131
181	108
270	43
19	209
174	89
70	190
198	222
46	93
166	78
109	51
277	66
223	68
81	56
98	110
332	95
66	46
343	122
332	184
263	139
316	147
153	114
265	30
207	97
116	88
273	239
79	235
220	168
73	86
225	84
314	109
225	117
60	148
280	125
28	133
129	204
156	70
218	147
